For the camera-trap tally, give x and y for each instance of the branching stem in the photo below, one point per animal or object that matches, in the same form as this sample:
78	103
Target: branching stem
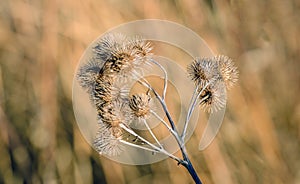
160	150
152	134
180	139
192	106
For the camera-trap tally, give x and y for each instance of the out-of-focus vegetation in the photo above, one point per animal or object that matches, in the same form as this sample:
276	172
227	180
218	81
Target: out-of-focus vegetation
41	43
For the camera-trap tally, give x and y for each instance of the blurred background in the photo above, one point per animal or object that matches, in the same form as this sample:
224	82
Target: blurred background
41	43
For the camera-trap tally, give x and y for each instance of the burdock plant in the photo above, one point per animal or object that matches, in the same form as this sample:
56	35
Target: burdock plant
117	60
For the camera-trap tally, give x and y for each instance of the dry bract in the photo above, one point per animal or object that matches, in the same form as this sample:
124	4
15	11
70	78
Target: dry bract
139	104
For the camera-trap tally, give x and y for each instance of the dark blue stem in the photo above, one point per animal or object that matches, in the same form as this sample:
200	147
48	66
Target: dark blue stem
192	171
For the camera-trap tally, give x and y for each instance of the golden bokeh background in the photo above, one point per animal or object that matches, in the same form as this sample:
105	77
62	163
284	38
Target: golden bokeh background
41	43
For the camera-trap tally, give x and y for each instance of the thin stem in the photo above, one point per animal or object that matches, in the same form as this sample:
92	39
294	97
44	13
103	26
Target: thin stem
138	146
194	98
160	118
162	102
161	150
191	102
138	136
192	107
163	121
165	77
152	134
145	83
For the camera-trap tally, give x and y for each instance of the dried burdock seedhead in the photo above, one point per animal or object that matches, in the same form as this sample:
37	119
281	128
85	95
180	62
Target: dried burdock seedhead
120	90
140	56
122	55
110	116
108	45
203	70
102	88
227	69
114	113
213	97
88	74
106	141
141	47
140	105
121	59
108	89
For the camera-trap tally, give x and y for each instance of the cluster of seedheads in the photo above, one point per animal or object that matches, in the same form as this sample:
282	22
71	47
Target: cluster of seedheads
116	61
211	77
